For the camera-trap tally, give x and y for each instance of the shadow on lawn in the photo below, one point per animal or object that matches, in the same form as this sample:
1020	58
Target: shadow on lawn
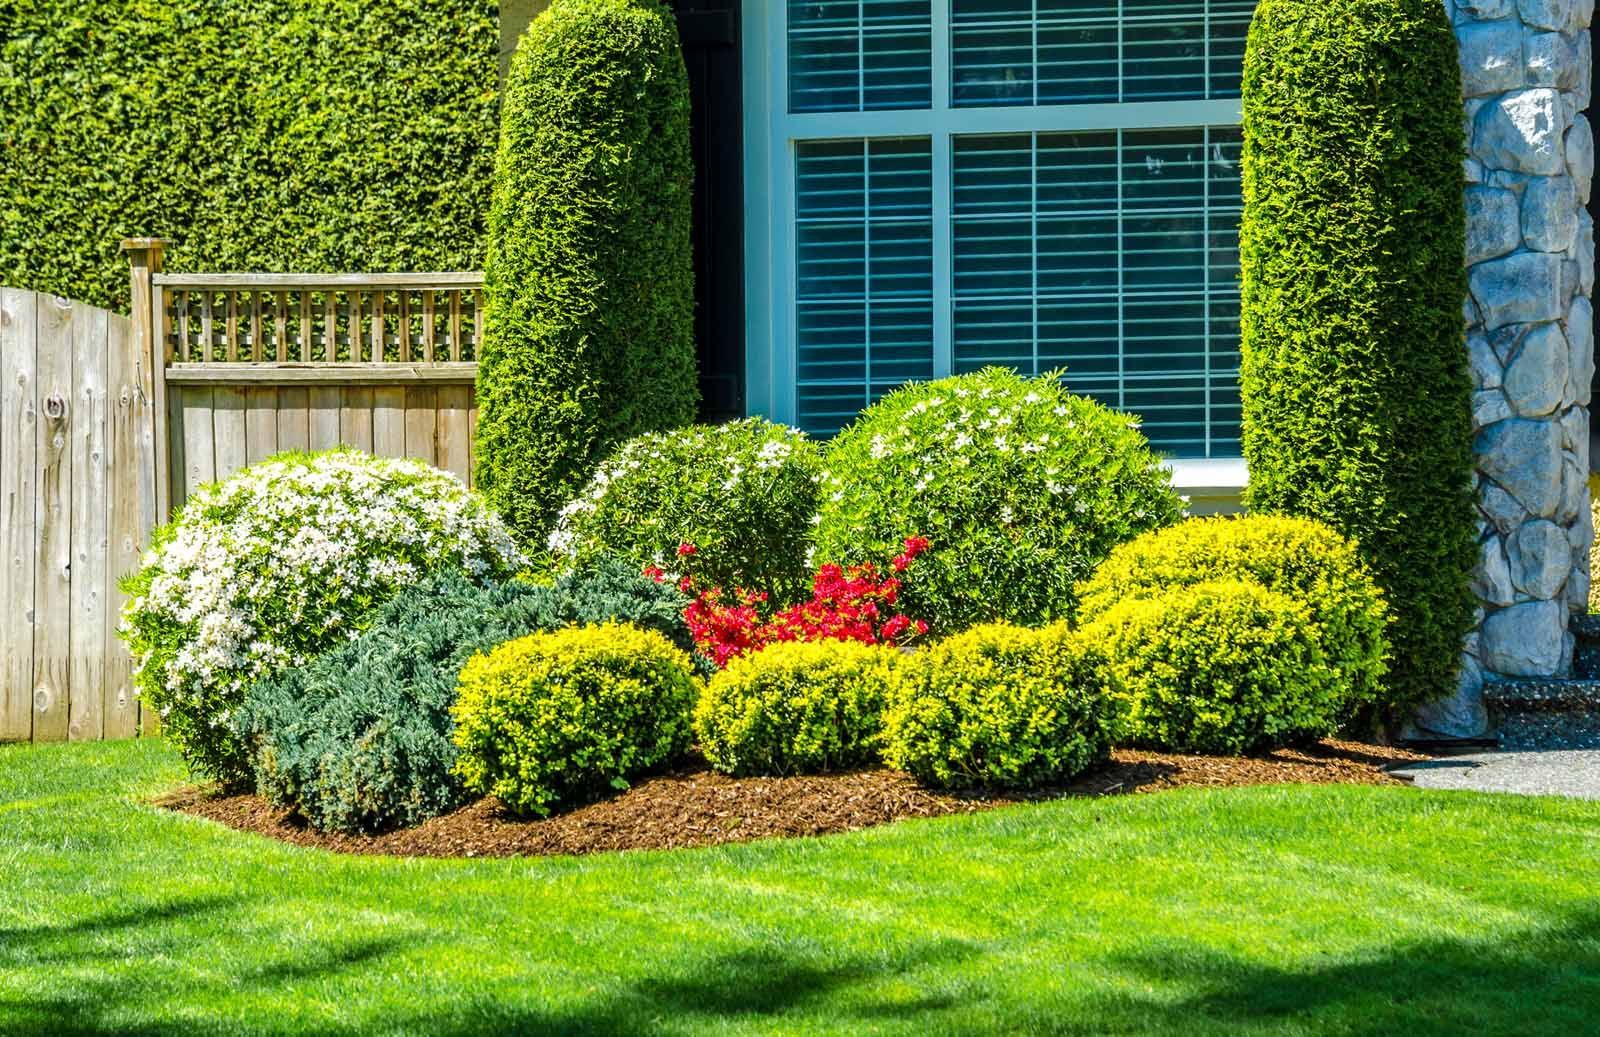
117	972
1541	980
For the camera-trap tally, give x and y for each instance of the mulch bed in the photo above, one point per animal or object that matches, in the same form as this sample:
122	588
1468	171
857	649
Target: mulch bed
698	807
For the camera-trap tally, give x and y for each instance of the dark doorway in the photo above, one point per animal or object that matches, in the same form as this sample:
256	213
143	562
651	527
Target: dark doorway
710	33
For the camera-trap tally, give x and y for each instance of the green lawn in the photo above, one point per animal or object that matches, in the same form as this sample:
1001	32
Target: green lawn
1292	910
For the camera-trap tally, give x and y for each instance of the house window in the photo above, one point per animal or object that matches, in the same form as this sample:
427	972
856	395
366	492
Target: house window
938	185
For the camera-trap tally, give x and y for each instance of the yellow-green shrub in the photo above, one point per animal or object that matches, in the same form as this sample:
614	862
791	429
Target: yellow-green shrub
562	716
1223	667
1594	545
1302	558
796	707
999	705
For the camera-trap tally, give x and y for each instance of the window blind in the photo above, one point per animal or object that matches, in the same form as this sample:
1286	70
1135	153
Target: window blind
864	274
1037	52
860	55
1115	255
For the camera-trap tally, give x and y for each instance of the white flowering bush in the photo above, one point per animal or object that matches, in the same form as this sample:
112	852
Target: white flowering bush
1021	488
281	562
725	505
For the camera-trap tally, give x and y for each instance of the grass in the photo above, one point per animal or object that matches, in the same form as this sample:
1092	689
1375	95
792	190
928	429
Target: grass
1276	910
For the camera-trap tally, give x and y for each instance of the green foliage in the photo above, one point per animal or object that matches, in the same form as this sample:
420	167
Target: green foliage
359	739
743	494
558	717
796	708
282	561
1221	667
1021	487
281	135
999	706
1357	397
1302	558
589	335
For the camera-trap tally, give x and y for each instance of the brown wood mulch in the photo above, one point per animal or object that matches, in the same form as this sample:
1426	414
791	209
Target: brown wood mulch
698	807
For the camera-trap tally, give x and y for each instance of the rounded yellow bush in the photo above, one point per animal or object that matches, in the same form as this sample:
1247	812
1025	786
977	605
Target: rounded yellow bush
1302	558
1000	706
553	718
797	707
1222	667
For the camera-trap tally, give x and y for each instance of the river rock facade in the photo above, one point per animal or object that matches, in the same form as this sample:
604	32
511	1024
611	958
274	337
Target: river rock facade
1530	335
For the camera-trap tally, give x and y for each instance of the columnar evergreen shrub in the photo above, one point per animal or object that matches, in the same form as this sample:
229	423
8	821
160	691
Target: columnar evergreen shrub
554	718
1020	487
278	563
726	505
798	707
1221	667
589	333
288	135
1302	558
1357	397
359	739
999	706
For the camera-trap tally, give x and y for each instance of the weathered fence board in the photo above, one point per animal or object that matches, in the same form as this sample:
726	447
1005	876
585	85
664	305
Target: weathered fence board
131	505
19	340
108	423
52	588
91	523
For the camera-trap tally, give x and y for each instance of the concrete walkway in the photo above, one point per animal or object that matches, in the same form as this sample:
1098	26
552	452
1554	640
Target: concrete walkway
1552	772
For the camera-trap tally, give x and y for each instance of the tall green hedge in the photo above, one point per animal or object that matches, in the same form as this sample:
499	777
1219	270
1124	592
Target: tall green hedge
589	334
275	135
1357	397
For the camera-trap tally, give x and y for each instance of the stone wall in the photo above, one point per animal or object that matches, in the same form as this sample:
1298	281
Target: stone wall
1530	254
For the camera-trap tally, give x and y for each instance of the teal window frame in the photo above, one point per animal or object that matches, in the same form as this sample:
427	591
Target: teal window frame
772	133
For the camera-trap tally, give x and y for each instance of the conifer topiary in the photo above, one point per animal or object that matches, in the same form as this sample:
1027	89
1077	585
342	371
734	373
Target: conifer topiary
1357	396
589	336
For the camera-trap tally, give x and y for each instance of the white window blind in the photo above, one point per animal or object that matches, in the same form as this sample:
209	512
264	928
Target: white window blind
864	263
944	184
1036	52
860	55
1115	255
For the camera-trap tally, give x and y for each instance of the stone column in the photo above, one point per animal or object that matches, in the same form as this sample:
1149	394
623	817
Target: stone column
1530	335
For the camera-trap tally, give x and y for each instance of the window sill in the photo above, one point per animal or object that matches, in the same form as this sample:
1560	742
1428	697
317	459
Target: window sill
1213	485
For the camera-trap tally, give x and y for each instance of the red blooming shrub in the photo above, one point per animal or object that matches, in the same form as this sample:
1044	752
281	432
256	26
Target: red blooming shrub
854	604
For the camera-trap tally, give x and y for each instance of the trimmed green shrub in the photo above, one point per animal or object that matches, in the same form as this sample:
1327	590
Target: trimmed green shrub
1021	487
742	494
1357	396
285	135
589	334
1302	558
359	739
278	563
559	717
796	708
1224	667
999	706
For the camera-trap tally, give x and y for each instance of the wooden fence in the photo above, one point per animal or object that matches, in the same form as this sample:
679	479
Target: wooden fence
108	423
77	481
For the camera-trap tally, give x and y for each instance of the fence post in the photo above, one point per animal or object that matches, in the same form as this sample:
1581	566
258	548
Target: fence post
150	348
141	486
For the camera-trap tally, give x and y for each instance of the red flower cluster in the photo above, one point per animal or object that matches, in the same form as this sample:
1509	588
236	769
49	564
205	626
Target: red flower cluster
853	604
